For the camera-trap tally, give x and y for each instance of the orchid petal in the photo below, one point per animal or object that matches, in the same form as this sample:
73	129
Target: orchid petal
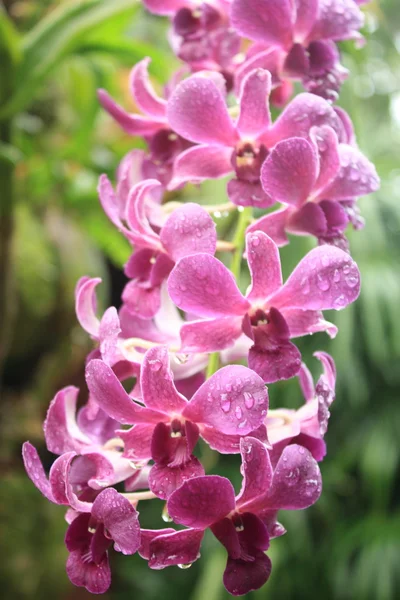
132	124
256	469
357	176
264	264
61	431
210	335
266	22
241	577
157	383
85	304
337	20
178	548
143	92
163	480
200	163
119	518
273	224
254	116
137	441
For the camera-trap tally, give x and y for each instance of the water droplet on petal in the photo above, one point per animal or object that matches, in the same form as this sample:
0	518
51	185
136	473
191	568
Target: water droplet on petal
248	400
165	516
155	365
238	412
186	566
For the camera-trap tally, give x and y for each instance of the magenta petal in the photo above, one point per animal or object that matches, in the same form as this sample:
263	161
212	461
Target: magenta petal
325	278
309	219
210	335
164	7
241	577
197	111
329	368
164	480
256	470
203	286
34	468
246	193
234	400
136	213
357	176
137	441
141	300
304	322
189	230
266	22
147	536
225	532
143	92
273	224
303	112
297	480
113	399
96	578
326	143
157	383
297	62
254	116
202	501
108	334
85	304
199	163
264	264
278	362
306	14
61	431
131	123
178	548
290	171
337	20
58	477
120	520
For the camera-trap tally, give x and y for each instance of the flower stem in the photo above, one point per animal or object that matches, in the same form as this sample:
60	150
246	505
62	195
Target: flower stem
136	496
213	364
239	240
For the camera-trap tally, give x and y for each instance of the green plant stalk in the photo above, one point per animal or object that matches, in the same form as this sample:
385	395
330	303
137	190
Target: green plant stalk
243	221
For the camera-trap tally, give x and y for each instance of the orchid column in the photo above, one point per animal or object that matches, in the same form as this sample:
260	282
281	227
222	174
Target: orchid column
200	349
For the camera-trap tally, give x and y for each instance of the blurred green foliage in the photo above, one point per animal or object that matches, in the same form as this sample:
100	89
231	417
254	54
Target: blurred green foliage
347	546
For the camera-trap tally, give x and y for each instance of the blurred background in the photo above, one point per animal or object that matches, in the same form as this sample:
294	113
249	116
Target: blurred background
54	143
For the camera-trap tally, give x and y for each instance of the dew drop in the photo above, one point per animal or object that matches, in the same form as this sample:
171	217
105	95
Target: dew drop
155	365
165	516
336	276
238	412
185	566
248	400
351	280
323	283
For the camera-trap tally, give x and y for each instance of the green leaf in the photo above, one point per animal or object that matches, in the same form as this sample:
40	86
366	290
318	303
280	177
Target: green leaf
62	33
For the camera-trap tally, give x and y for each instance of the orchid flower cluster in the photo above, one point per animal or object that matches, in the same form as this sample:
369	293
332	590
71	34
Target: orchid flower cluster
188	354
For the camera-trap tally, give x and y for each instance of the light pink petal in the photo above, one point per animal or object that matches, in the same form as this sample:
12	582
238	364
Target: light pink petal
264	264
305	322
210	335
113	399
61	431
136	213
267	22
290	171
178	548
329	367
202	501
357	176
200	163
197	111
325	278
254	116
273	224
306	14
131	123
306	382
326	143
137	441
141	300
165	7
119	518
85	304
303	112
164	480
157	383
234	400
189	230
297	480
108	335
269	60
256	469
34	468
203	286
143	92
111	207
337	20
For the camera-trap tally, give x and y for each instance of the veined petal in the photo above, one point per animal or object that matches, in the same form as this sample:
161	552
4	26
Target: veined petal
241	577
147	536
119	518
199	163
305	322
137	441
357	176
136	213
189	230
164	480
157	383
267	22
197	111
202	285
61	431
131	123
202	501
254	116
325	278
96	578
306	14
273	224
113	399
143	92
34	468
178	548
326	143
210	335
229	444
234	400
281	360
289	173
85	304
264	264
337	20
257	472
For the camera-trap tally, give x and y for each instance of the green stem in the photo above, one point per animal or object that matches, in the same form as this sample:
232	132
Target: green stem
239	240
213	364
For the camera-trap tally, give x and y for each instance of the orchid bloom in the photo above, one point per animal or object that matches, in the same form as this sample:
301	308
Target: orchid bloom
112	519
295	39
308	425
315	179
197	111
271	313
229	405
243	524
188	230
